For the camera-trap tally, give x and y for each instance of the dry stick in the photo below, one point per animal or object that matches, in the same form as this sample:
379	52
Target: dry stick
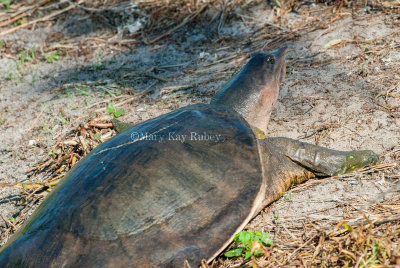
89	9
378	221
392	152
14	19
101	125
157	77
22	215
115	42
265	22
106	101
359	261
47	163
299	248
234	56
280	38
85	8
289	232
8	222
34	192
138	96
185	21
118	104
34	122
53	6
186	264
23	13
169	89
39	20
27	185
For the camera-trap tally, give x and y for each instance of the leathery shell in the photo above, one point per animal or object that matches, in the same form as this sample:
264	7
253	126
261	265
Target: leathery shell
172	188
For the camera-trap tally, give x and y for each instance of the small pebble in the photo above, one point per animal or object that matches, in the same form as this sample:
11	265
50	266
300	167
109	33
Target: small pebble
32	143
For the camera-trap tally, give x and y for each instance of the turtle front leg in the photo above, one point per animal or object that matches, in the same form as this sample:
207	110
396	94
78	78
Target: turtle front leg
319	160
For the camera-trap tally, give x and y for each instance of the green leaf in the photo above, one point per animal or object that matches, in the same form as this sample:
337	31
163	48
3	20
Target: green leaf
234	252
53	57
248	254
13	219
348	227
266	239
97	135
245	237
118	113
236	239
110	108
258	253
24	186
258	236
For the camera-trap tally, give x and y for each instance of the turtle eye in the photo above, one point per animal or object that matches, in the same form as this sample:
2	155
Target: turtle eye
270	59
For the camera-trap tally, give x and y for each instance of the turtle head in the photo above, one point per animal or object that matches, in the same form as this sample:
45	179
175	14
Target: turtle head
254	90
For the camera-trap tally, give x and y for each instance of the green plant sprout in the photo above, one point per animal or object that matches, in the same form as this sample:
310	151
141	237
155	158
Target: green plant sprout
244	241
52	57
112	110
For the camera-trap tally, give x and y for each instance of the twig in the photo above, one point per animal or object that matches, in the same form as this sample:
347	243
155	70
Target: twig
31	194
13	19
85	8
23	13
8	222
378	221
53	6
27	185
34	122
174	88
186	264
118	104
101	10
157	77
100	125
299	248
105	101
289	232
359	261
264	22
39	20
185	21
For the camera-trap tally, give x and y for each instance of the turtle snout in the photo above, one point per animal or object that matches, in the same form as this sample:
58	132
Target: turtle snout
360	159
370	157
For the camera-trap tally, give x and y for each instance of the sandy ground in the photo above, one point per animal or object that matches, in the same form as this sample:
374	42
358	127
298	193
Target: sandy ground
338	73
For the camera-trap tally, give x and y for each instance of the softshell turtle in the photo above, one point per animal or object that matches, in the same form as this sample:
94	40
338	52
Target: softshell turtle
177	187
